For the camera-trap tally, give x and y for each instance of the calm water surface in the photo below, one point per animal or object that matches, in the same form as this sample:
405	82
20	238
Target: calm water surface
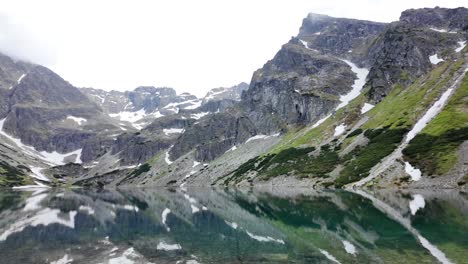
232	226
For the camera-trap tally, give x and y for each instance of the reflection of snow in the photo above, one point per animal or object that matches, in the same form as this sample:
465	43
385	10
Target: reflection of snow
164	214
349	248
395	215
44	217
64	260
264	239
33	202
168	247
417	203
86	209
233	225
328	255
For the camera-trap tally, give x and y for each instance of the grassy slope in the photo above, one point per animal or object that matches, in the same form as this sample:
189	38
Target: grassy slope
434	149
388	122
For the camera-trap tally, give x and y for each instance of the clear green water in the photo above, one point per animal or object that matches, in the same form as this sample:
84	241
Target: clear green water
233	226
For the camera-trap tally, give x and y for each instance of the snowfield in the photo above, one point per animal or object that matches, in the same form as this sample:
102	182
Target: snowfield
435	59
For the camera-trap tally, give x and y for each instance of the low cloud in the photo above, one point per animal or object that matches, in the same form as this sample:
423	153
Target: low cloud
19	43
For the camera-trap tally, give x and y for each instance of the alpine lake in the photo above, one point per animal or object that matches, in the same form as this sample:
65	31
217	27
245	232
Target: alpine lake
216	225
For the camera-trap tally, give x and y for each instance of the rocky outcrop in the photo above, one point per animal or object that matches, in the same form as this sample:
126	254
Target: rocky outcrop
451	20
402	52
297	86
340	37
212	136
136	148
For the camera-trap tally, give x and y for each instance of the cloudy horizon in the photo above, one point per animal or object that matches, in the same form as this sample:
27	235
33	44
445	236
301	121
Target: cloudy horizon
192	46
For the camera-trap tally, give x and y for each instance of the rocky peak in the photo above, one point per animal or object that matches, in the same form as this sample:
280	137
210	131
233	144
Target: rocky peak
403	50
338	36
439	18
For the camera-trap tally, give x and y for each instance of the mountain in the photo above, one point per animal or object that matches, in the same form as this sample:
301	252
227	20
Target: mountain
345	103
226	93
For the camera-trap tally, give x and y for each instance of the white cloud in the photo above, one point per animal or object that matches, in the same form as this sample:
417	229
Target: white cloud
189	45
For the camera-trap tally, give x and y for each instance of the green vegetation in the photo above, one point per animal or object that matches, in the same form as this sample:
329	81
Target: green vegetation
11	176
382	142
434	149
292	161
136	172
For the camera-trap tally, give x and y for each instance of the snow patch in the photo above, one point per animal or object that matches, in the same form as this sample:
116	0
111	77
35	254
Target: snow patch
319	122
52	158
435	59
462	45
170	131
78	120
417	203
199	115
441	30
366	107
306	45
412	171
36	173
429	115
339	130
256	137
231	149
21	78
131	117
358	84
168	247
166	157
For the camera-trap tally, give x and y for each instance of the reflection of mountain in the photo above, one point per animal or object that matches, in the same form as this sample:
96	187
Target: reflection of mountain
232	226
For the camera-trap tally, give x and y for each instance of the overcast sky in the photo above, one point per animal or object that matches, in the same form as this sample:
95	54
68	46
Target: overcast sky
191	45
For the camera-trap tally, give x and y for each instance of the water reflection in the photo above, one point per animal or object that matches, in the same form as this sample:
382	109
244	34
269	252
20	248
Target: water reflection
232	226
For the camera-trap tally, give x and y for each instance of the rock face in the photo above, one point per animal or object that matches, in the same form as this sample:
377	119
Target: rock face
214	135
147	98
296	87
43	110
136	148
402	52
451	20
339	36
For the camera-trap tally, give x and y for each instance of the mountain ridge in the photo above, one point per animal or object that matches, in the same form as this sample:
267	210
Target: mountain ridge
328	109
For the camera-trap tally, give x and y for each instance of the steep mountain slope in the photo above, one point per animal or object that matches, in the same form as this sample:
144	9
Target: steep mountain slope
349	143
345	103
